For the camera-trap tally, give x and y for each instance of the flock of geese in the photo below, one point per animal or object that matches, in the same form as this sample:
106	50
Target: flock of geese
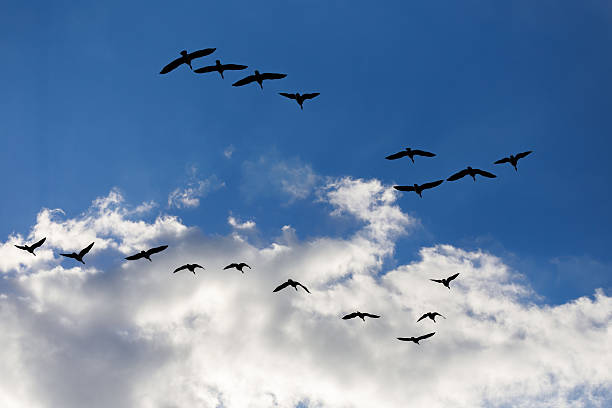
186	58
258	77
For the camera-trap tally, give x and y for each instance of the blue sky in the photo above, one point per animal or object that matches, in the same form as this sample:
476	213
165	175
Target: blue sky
84	114
84	110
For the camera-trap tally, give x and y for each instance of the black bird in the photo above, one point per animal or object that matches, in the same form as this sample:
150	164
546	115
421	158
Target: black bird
237	266
292	283
360	315
186	58
419	188
80	255
446	281
300	98
259	78
31	248
431	315
190	267
471	172
513	160
416	339
410	153
219	67
146	254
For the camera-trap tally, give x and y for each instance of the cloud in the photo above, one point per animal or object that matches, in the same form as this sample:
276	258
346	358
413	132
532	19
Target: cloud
229	150
140	336
247	225
189	196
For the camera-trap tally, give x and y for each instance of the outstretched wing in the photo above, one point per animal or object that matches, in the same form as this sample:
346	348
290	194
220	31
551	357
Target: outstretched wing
281	287
156	249
233	265
69	256
350	316
310	95
201	53
523	154
22	247
203	70
180	268
234	67
198	266
432	184
86	250
373	316
438	280
423	153
458	175
422	317
270	75
504	160
173	65
426	336
134	257
484	173
397	155
305	288
288	95
39	243
242	265
404	188
406	338
244	81
438	314
450	278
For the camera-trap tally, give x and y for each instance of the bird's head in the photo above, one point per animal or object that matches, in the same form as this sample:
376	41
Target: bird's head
256	72
469	168
184	53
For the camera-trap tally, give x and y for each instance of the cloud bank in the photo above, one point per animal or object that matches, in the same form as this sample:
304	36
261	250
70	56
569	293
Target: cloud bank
136	335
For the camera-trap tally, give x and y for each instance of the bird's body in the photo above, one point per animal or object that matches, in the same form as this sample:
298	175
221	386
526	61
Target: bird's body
146	254
291	283
513	160
190	267
446	281
419	188
186	58
31	248
299	98
219	67
470	172
410	153
238	266
431	315
416	339
259	78
80	255
360	315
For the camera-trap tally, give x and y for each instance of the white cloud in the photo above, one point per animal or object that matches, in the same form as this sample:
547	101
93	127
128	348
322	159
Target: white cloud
189	196
247	225
229	150
140	336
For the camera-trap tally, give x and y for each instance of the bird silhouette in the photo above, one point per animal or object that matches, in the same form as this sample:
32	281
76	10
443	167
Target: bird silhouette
419	188
259	78
431	315
80	255
416	339
360	315
471	172
299	98
446	281
238	266
190	267
513	160
186	58
146	254
219	67
292	283
31	248
410	153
